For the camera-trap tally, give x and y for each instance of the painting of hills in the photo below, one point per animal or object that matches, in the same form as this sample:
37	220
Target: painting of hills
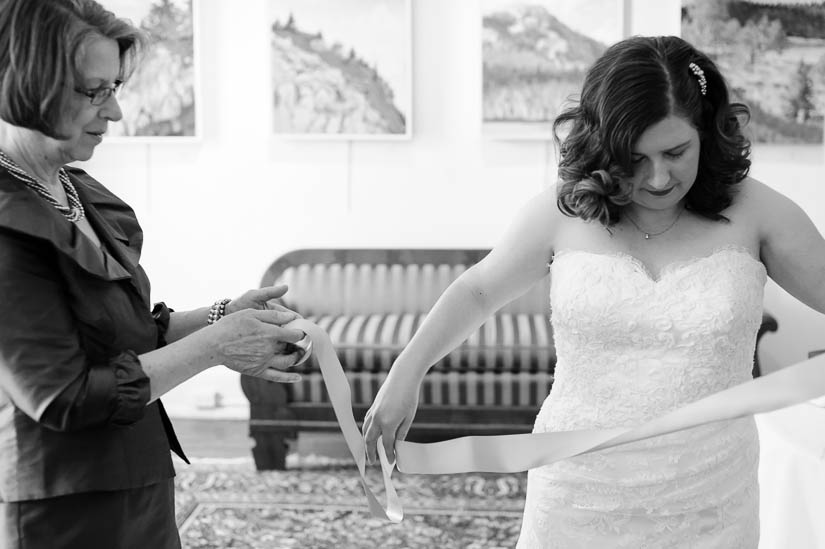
534	58
773	57
341	68
159	99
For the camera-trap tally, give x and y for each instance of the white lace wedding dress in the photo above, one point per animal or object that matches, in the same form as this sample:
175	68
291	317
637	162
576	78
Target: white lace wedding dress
631	348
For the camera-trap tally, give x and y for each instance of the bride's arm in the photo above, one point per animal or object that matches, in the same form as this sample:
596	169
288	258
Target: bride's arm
516	263
791	247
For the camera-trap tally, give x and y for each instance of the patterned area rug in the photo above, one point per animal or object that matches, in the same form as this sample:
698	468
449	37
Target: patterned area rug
319	504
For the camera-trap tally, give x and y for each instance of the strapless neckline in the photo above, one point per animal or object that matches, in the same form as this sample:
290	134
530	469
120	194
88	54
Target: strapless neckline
669	268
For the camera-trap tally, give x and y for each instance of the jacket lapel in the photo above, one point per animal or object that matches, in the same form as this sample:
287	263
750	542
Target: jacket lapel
112	238
22	211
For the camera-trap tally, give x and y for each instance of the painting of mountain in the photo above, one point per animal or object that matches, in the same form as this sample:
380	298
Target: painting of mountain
341	68
159	99
772	54
534	58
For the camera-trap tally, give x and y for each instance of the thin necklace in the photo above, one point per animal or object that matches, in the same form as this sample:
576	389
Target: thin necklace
649	234
74	212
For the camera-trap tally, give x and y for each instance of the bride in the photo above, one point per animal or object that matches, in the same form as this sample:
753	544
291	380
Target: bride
659	245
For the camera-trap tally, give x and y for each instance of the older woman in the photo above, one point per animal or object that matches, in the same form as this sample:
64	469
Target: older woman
84	440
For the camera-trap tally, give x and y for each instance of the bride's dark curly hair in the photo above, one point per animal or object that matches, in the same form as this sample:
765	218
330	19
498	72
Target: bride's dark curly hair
636	83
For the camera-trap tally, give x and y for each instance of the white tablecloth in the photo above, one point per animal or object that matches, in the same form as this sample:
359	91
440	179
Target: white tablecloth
792	478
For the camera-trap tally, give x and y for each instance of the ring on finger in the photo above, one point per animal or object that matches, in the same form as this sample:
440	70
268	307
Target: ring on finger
305	344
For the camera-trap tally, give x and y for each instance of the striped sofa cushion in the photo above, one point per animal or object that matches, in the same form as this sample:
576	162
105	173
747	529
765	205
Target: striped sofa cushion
506	343
371	302
440	388
316	289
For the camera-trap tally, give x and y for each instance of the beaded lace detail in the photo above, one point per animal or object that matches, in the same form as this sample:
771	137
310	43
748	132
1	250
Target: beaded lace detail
632	347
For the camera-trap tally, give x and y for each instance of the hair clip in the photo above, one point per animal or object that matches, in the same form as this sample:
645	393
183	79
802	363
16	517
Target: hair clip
700	76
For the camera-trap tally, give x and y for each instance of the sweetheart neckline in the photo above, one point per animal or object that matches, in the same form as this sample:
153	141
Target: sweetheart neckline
668	268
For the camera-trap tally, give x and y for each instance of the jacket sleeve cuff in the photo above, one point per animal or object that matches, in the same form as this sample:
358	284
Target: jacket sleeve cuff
133	389
162	314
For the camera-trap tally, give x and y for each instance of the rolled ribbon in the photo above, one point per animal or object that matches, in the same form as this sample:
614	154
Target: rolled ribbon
512	453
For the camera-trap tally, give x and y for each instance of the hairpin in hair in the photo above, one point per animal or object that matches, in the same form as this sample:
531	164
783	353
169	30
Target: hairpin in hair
700	76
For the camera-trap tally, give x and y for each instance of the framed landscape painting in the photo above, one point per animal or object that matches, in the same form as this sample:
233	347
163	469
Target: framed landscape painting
773	57
160	99
341	69
534	57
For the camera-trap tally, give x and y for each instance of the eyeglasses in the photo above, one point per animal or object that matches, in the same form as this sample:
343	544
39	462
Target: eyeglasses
98	96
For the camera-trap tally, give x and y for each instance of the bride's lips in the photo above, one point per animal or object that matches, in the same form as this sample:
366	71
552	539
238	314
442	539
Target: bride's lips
660	193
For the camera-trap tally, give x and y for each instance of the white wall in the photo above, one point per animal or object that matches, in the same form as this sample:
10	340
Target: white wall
217	212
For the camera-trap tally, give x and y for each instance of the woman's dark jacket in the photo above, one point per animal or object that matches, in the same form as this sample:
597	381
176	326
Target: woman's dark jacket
73	319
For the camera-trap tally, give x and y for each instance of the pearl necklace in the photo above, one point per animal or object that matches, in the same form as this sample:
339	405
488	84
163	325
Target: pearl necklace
74	212
649	234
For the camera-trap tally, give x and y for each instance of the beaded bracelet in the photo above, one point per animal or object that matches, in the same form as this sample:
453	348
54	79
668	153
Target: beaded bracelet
217	310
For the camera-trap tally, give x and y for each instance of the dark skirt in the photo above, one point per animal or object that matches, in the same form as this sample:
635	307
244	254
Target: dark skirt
122	519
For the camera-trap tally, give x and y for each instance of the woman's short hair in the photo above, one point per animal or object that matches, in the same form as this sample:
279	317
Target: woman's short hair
636	83
40	45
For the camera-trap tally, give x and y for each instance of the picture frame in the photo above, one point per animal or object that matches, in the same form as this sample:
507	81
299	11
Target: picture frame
341	69
773	58
535	54
160	100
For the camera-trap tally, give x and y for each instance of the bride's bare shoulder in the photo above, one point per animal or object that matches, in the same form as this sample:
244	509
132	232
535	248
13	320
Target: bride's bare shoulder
541	215
757	201
545	205
752	193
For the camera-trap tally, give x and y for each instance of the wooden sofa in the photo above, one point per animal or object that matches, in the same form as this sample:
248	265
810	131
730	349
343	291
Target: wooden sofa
371	301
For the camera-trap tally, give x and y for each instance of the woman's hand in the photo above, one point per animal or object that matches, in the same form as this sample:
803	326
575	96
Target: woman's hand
391	414
255	343
259	299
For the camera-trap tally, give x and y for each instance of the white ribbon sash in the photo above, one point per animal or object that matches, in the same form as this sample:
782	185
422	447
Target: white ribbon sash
512	453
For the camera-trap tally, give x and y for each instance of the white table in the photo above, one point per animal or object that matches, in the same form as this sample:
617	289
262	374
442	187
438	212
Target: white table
792	478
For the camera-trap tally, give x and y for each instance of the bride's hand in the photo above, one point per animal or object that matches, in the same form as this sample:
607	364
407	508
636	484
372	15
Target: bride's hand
390	415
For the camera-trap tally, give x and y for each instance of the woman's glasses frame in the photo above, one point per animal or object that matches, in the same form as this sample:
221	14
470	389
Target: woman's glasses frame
98	96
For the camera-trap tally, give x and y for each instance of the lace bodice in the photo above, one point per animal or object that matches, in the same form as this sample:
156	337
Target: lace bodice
632	347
